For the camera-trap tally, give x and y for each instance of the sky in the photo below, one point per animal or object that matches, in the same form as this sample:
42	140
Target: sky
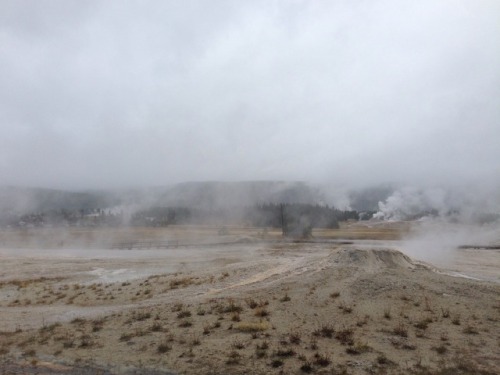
107	94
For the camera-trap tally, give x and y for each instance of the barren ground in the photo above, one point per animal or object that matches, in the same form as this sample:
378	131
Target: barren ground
243	303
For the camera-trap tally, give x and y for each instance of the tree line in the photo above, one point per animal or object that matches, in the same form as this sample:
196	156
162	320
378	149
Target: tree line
292	218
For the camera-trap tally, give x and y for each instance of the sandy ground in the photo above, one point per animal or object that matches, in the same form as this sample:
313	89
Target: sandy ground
249	305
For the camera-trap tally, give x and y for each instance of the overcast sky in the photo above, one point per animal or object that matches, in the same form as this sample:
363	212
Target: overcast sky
99	94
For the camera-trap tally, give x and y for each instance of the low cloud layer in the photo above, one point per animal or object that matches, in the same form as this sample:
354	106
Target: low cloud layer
101	94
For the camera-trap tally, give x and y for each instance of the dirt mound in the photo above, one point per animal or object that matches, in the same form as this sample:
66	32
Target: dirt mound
373	258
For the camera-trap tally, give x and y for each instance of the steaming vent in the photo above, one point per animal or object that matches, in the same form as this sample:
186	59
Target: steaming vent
373	259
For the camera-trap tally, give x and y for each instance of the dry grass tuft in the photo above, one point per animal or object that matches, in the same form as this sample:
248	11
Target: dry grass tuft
252	326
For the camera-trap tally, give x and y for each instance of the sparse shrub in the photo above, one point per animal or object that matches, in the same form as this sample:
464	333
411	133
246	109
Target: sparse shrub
428	306
184	282
178	307
236	317
345	336
163	348
387	313
183	314
382	359
445	313
237	344
325	330
261	312
285	298
419	333
306	367
321	360
401	330
185	324
334	295
263	346
231	308
233	358
361	322
251	303
4	350
126	337
156	327
30	353
284	352
294	338
78	321
347	309
200	311
275	363
141	316
422	324
195	341
206	329
314	344
471	330
260	353
358	348
86	342
441	349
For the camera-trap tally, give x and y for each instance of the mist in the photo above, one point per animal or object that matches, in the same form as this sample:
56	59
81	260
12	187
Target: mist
345	94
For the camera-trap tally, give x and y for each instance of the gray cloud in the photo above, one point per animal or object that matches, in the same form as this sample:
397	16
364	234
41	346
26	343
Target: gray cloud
112	93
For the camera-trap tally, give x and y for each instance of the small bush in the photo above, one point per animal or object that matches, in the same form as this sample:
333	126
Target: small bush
334	295
358	348
400	330
441	349
156	327
325	330
261	312
387	314
470	330
185	324
383	360
233	358
306	367
345	336
275	363
251	303
163	348
285	298
237	344
284	352
321	360
183	314
294	338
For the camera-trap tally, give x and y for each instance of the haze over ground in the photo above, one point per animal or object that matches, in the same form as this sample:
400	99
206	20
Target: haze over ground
347	93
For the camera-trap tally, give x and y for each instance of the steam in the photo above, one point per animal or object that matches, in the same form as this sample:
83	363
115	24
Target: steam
437	240
446	220
471	205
